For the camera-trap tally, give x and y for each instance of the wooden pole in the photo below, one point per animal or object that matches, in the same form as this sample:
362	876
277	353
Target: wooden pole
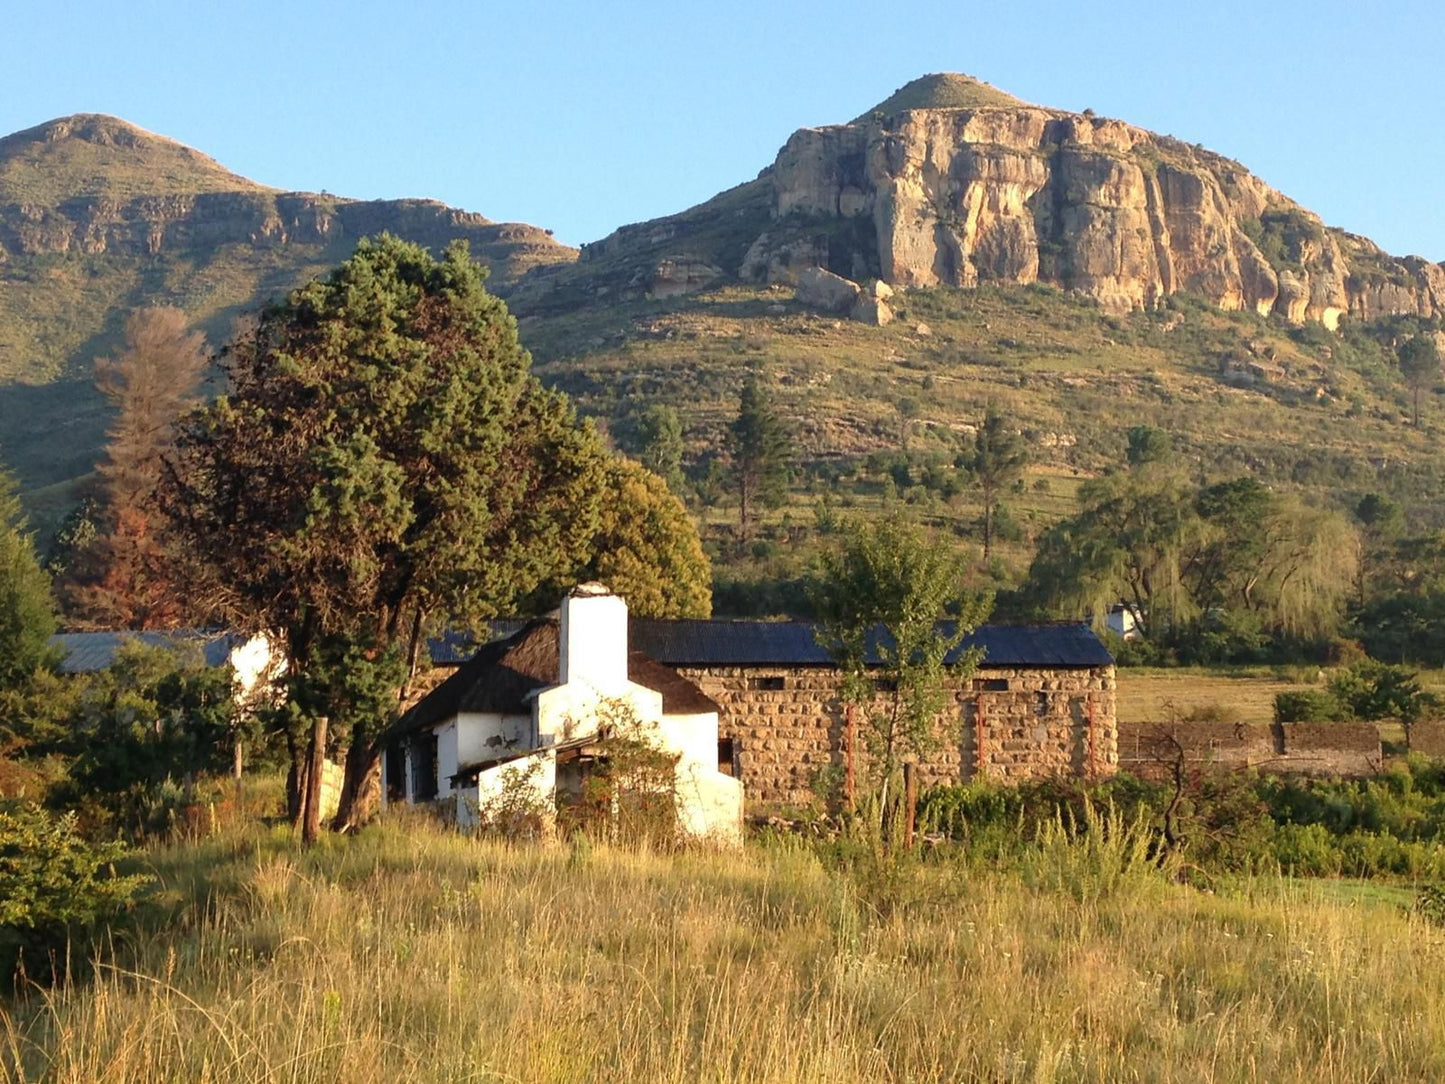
1089	768
315	772
980	753
852	733
910	796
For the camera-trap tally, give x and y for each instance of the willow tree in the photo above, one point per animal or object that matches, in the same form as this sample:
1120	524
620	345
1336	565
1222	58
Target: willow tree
1125	547
383	462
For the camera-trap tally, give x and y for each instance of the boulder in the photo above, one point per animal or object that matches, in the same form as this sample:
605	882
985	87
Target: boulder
870	310
820	289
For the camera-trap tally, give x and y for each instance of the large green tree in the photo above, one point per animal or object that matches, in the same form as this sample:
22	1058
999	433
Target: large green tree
383	462
893	611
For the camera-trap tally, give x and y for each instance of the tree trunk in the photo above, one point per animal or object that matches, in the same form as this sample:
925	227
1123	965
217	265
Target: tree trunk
315	773
295	781
361	786
237	765
987	528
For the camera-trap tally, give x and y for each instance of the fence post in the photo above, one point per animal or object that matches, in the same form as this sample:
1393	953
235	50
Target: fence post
1090	769
851	735
910	796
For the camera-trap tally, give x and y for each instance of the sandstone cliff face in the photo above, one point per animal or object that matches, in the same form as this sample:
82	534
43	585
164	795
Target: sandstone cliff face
1022	194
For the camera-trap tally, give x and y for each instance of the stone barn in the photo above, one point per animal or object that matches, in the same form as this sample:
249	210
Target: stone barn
1041	704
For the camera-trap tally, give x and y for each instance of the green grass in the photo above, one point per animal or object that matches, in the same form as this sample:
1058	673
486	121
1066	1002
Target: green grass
411	953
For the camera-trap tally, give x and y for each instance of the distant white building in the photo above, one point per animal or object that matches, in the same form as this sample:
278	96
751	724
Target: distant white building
535	710
256	666
1121	621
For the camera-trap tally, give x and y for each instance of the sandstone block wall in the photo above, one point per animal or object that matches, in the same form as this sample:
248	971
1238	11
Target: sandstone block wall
1428	738
789	729
1348	749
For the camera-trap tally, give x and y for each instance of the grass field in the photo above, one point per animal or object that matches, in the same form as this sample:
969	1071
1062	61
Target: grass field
412	954
1242	694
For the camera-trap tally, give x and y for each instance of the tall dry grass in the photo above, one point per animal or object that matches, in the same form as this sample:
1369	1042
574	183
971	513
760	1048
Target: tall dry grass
414	954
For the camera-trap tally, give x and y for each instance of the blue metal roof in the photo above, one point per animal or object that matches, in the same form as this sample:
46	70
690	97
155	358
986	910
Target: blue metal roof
794	643
87	652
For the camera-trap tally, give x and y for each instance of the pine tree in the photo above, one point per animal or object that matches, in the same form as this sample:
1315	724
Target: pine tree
1419	360
999	456
123	577
761	448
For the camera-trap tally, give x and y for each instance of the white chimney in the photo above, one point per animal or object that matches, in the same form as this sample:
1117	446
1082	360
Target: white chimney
594	639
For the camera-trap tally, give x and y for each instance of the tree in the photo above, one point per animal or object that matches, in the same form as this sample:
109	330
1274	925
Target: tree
123	576
880	602
384	461
761	448
646	548
659	442
27	609
1145	445
999	456
1419	359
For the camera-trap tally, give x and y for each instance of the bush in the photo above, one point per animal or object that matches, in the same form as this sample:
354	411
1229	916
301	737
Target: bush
1379	690
54	887
1306	706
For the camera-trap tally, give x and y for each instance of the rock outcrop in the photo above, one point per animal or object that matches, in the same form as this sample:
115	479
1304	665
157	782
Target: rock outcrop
951	181
1018	194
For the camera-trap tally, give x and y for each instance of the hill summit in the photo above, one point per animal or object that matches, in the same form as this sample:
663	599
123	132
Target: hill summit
950	181
91	154
943	90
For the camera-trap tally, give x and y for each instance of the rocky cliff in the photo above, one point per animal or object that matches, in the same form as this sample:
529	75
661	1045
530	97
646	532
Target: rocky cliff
951	181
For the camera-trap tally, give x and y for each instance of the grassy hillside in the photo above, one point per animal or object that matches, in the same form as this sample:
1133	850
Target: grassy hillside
412	953
1300	408
98	218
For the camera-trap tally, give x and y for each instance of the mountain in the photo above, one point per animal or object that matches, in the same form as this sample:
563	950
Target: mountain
1081	274
951	181
98	217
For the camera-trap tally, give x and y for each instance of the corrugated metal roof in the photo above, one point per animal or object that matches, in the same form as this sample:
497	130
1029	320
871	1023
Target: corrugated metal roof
794	643
87	652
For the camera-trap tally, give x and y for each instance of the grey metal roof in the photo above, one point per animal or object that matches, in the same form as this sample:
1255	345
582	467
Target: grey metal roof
87	652
794	643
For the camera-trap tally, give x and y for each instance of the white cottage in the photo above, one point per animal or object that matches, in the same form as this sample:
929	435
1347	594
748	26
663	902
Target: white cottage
531	709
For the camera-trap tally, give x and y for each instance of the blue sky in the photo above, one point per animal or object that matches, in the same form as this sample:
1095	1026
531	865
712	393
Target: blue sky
581	117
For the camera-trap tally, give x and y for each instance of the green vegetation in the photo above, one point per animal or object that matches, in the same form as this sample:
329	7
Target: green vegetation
880	599
383	465
411	952
1219	824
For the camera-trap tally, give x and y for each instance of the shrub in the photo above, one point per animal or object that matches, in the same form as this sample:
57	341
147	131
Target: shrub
54	887
1306	706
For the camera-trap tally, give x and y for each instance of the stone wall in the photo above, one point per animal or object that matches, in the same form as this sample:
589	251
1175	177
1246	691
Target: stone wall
788	727
1349	749
1427	738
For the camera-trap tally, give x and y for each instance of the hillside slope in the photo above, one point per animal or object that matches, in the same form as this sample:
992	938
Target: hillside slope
98	217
